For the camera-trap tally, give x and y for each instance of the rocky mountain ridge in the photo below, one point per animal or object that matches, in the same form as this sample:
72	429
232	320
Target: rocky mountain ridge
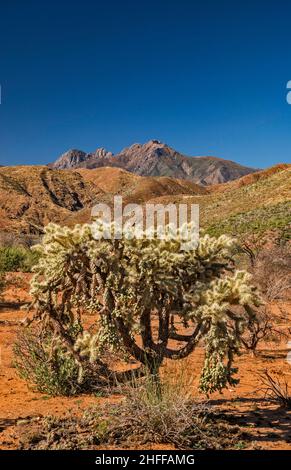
155	158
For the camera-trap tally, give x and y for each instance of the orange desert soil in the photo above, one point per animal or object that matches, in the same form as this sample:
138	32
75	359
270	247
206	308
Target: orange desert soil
267	426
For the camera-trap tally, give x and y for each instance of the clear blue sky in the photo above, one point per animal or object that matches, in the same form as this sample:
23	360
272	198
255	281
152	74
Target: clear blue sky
206	77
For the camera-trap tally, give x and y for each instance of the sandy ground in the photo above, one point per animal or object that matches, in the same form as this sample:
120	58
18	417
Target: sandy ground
267	426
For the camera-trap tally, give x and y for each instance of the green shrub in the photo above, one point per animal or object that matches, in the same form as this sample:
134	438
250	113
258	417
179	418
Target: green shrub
29	261
43	362
17	259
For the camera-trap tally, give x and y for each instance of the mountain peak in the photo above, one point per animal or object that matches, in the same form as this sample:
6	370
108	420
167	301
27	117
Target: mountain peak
73	153
69	159
155	142
101	152
75	158
155	158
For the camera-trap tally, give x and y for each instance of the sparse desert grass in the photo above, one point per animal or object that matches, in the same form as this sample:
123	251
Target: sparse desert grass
172	417
145	416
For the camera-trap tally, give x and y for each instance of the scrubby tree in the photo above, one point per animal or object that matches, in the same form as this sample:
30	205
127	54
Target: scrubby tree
152	300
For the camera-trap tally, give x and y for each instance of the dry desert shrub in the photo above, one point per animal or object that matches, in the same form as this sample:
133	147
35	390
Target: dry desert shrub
140	417
172	417
272	272
43	362
276	389
271	269
264	327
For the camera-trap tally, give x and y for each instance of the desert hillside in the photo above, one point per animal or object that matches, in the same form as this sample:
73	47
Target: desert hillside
257	203
254	203
32	196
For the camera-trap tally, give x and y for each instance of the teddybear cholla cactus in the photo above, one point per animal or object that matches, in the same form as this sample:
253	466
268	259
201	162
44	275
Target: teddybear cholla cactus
143	292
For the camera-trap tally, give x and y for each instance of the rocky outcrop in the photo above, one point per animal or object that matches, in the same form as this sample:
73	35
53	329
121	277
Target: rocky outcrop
79	159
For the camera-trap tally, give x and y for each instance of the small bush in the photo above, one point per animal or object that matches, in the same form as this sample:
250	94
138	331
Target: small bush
264	327
11	258
271	271
276	389
17	259
172	417
47	365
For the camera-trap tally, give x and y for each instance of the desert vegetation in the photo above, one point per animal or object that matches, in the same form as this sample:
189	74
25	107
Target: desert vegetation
141	417
130	283
148	344
17	259
109	313
276	388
